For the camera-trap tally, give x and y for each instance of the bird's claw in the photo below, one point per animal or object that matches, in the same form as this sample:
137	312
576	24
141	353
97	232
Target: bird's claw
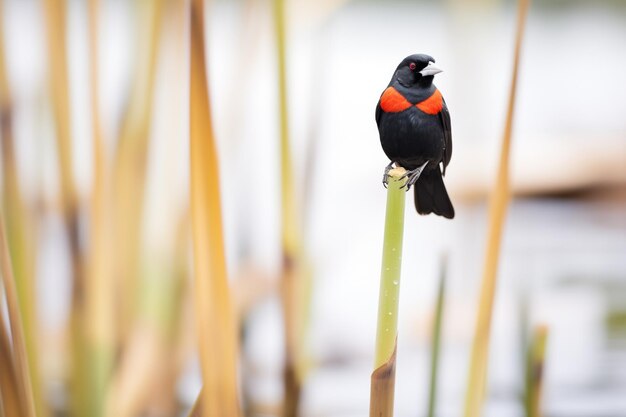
386	174
412	176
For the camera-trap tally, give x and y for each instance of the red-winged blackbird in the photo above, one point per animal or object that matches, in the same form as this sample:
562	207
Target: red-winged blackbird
414	126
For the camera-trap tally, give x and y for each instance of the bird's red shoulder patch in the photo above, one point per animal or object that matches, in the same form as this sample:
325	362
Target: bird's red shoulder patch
432	105
393	102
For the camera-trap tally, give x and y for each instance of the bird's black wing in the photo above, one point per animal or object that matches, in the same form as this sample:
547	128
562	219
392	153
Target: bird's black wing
379	112
444	115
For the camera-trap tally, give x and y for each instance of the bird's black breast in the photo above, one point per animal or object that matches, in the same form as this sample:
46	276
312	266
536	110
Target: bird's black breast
411	137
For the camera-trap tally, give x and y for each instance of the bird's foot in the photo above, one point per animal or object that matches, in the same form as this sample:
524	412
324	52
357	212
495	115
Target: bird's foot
413	176
386	174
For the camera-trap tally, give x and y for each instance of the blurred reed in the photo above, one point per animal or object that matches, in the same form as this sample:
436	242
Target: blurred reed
145	378
499	200
99	285
11	404
436	340
129	166
149	364
295	278
383	378
21	374
19	234
55	15
536	352
214	313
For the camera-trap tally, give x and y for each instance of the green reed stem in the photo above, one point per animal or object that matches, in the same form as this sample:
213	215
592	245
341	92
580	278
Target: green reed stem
384	375
387	329
436	346
534	371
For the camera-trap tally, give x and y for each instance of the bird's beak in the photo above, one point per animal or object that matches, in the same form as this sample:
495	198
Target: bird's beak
430	69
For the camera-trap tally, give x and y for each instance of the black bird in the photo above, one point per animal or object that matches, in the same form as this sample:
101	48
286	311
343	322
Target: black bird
415	133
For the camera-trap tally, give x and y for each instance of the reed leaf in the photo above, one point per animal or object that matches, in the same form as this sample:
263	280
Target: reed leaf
384	375
213	310
20	357
477	378
535	371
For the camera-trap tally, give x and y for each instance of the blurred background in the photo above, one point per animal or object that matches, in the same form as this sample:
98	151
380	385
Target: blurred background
563	257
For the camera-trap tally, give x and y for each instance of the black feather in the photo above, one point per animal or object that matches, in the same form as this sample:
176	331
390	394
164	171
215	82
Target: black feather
431	195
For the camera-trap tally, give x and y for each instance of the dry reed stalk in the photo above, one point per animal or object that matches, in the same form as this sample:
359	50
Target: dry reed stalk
137	374
55	15
293	277
19	234
148	352
214	313
99	290
20	357
163	395
11	404
477	379
148	356
130	163
196	408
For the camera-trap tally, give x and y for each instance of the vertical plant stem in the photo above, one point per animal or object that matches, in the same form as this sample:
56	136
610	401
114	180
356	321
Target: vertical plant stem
290	238
11	403
22	373
436	343
293	277
535	371
145	373
477	379
55	14
57	55
524	329
99	297
130	164
384	375
214	314
19	235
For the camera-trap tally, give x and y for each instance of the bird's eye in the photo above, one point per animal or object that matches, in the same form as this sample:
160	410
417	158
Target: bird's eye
412	66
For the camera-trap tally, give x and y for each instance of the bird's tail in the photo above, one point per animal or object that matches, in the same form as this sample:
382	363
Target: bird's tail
431	195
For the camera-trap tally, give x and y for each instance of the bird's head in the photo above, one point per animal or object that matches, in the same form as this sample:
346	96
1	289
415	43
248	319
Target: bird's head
416	69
